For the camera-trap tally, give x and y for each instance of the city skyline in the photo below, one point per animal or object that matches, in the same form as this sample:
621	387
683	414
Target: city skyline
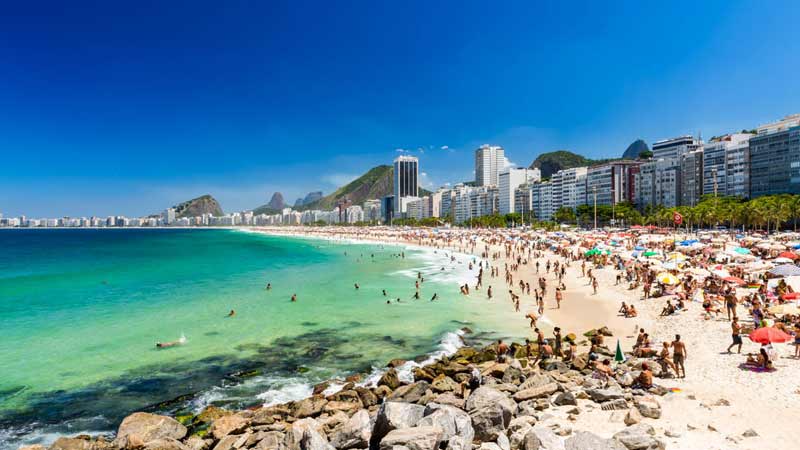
99	118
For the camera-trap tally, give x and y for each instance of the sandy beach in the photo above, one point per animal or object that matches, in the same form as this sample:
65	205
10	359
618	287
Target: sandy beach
717	406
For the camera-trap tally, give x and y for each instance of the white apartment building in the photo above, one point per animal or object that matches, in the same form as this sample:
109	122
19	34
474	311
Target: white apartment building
658	183
509	180
489	162
674	148
542	201
571	184
726	162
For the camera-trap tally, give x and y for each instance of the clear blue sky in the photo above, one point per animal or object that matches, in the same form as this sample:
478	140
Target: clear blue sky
129	107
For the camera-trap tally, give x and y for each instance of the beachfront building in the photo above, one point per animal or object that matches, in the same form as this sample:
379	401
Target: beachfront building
569	187
691	177
402	211
726	168
674	148
406	179
489	162
542	201
475	201
447	206
434	204
523	200
387	208
775	158
168	216
509	180
613	182
372	210
658	183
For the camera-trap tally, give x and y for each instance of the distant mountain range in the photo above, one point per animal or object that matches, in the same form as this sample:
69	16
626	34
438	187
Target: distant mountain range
551	162
204	204
636	148
309	198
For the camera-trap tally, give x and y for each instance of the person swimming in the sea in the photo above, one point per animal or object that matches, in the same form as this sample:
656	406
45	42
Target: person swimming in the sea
356	285
232	313
269	286
435	296
294	297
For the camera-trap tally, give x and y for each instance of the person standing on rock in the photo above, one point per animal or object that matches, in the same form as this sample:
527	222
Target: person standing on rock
502	350
679	356
557	345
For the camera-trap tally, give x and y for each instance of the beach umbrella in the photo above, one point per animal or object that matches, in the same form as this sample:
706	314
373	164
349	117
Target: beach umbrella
699	271
638	248
667	278
676	256
782	260
736	280
791	296
787	308
650	253
785	270
767	335
618	355
788	255
742	250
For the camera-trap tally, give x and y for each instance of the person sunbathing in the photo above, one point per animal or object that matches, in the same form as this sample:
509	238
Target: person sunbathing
761	360
632	312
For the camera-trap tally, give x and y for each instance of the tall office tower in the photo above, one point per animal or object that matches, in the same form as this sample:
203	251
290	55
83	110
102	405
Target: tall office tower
406	180
489	162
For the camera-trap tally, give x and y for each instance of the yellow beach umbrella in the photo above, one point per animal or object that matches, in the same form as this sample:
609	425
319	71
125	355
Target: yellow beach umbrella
667	278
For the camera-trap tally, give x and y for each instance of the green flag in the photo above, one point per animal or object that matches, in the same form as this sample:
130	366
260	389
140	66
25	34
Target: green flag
619	356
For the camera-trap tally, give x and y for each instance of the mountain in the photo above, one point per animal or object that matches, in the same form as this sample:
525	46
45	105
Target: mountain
205	204
375	184
638	146
276	202
551	162
309	198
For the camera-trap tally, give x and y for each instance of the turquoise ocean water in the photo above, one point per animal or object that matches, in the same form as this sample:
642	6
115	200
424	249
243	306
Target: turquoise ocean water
83	309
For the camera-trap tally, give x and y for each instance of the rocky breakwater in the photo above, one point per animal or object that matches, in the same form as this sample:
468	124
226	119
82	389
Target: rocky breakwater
516	407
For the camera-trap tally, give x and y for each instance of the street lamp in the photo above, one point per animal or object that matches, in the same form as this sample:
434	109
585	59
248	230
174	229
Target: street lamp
594	191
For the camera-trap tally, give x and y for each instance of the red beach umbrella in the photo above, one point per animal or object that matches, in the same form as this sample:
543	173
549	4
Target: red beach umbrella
789	255
791	296
766	335
736	280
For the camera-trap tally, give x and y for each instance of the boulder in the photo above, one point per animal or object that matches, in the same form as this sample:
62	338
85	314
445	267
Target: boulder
536	392
140	428
422	374
555	365
491	412
583	440
271	440
536	381
390	379
648	406
308	407
448	398
381	392
32	447
410	393
502	442
564	399
366	396
443	383
416	438
605	332
225	425
355	433
197	443
456	425
345	407
513	374
165	444
639	437
306	434
397	362
633	417
226	443
604	395
452	369
394	416
66	443
489	446
540	437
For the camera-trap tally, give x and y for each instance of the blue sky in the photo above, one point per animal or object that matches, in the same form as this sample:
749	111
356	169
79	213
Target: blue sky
129	107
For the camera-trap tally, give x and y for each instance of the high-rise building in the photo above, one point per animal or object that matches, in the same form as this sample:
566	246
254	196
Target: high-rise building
489	162
675	147
542	201
613	182
387	209
509	180
571	187
406	179
726	168
691	177
523	200
775	158
168	216
658	183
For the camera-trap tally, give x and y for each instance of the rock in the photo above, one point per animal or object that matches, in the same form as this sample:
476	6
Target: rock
489	446
604	395
308	407
32	447
581	361
449	398
390	379
614	405
750	433
722	402
513	373
452	369
65	443
140	428
456	425
165	444
648	406
443	383
366	396
306	434
605	332
633	417
559	366
565	398
527	408
416	438
672	432
502	442
321	387
226	443
422	374
491	411
583	440
625	379
541	438
210	414
536	381
639	437
536	392
397	362
394	416
225	425
382	392
355	433
345	407
410	393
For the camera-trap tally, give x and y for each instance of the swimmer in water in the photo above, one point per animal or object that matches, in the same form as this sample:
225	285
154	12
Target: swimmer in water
232	313
356	285
269	286
384	292
435	296
294	297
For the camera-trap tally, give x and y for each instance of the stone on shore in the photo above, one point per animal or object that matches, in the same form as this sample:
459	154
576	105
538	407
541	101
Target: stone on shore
639	437
491	412
456	425
390	379
648	406
392	416
410	393
140	428
416	438
584	440
355	433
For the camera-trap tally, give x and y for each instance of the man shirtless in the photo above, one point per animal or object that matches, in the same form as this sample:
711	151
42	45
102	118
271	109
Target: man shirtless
679	356
737	339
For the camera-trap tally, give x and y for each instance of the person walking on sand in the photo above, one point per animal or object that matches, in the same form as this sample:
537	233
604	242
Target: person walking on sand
559	297
489	292
736	328
594	285
679	356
